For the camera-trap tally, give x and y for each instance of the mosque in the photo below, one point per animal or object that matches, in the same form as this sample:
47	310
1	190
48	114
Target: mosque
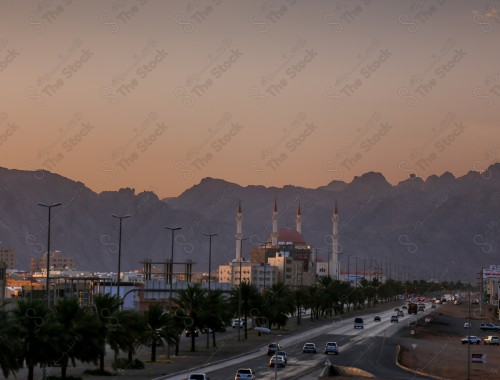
284	258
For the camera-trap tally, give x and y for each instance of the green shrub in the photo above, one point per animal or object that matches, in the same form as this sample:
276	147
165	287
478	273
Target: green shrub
123	363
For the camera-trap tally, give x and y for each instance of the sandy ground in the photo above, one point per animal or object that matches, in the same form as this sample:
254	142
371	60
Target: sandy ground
436	347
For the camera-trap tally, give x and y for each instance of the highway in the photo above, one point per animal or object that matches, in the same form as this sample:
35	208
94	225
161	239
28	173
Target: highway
372	349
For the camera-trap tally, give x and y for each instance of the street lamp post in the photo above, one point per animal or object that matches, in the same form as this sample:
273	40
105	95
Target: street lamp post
209	271
239	293
269	331
265	262
171	277
48	249
120	218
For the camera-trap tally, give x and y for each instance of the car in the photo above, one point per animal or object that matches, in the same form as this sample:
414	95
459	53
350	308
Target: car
280	360
272	348
396	309
471	339
467	325
309	347
359	323
331	348
244	374
394	318
376	319
198	376
491	339
159	342
284	354
401	313
433	306
238	323
489	326
404	307
188	332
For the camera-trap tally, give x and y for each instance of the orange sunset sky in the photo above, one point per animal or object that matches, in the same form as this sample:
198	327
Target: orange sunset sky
156	95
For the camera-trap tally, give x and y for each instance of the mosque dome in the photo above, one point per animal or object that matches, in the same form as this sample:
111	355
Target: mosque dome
289	235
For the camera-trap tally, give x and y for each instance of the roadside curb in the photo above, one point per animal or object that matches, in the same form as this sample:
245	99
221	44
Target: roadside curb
412	370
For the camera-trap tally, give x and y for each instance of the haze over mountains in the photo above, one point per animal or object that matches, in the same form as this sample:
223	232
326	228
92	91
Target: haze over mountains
442	227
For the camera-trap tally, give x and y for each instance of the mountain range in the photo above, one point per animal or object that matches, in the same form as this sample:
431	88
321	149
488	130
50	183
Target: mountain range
443	227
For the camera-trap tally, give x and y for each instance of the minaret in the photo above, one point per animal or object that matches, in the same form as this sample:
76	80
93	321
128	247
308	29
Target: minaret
274	234
334	258
298	221
239	232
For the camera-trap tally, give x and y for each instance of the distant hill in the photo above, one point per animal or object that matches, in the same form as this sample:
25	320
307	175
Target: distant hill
443	226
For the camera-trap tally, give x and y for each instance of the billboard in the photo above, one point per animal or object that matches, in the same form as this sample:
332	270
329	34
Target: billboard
491	273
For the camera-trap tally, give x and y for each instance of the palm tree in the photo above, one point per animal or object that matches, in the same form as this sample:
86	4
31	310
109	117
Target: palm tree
191	302
300	298
159	325
10	343
128	333
251	300
277	302
215	312
79	325
42	335
106	307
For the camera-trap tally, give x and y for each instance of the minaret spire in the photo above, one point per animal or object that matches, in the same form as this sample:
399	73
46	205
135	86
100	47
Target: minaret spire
298	220
274	234
239	231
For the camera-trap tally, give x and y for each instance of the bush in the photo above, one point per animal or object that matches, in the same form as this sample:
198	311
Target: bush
123	363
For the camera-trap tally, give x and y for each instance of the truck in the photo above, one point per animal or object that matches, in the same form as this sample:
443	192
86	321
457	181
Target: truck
412	308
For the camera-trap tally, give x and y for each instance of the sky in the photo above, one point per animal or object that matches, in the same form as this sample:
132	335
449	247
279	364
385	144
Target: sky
156	95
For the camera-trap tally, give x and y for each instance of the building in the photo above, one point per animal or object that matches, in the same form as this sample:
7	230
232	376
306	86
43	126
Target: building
285	257
57	262
7	256
262	276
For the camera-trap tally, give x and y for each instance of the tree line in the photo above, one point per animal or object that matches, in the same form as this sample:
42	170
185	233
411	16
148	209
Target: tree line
33	334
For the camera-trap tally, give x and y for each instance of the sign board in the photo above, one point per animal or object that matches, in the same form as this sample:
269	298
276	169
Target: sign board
491	273
412	332
478	358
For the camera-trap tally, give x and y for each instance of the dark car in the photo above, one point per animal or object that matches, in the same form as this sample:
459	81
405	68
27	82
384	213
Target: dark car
394	318
358	323
188	332
376	319
272	348
284	354
309	347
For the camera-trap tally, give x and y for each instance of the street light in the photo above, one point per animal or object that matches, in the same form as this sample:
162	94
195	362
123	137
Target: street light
48	249
265	262
269	331
120	218
173	229
239	293
209	271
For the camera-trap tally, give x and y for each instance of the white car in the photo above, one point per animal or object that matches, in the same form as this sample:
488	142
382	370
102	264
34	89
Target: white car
471	339
491	339
277	360
244	374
